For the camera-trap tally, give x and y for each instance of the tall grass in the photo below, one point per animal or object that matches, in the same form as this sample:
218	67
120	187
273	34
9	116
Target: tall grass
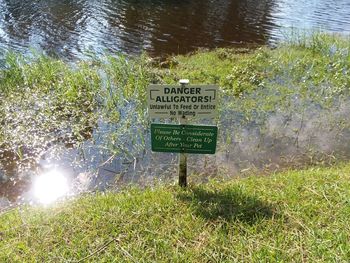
44	101
295	95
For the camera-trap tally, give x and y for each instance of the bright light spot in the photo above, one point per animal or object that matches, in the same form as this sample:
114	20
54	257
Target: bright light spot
50	186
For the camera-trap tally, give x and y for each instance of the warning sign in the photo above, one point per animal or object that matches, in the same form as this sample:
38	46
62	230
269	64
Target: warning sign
172	101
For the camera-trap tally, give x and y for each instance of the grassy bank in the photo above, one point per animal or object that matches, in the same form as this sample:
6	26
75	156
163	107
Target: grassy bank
300	216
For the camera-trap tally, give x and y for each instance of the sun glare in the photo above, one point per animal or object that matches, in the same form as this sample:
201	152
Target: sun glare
50	186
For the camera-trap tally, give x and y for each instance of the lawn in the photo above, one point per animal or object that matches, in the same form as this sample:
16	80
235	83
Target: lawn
290	216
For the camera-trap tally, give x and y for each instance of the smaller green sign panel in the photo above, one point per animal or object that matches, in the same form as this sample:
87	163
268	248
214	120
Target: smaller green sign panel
184	138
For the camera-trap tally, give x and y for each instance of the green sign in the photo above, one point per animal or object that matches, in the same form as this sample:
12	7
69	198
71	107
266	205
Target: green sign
183	138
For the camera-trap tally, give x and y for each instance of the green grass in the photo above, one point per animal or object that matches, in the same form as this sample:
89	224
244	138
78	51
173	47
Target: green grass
291	216
312	60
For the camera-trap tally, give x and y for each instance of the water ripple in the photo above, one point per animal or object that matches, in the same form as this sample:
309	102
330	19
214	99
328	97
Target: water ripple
70	28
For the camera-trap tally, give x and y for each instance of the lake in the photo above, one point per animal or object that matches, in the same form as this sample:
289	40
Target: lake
75	29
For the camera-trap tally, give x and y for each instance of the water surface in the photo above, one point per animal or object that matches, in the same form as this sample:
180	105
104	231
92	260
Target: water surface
73	28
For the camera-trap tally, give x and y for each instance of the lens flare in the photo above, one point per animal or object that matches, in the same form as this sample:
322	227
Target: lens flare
50	186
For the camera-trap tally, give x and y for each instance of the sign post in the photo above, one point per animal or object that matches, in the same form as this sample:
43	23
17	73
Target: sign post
183	102
183	156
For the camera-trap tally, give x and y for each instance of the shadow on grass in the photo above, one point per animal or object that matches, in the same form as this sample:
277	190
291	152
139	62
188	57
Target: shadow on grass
228	204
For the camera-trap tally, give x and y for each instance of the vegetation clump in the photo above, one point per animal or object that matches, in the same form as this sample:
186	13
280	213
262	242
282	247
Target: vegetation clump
286	101
44	101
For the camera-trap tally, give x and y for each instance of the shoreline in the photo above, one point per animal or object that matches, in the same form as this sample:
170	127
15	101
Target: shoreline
282	107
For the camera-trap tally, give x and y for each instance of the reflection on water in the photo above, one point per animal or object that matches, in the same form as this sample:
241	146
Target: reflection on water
50	186
303	134
73	28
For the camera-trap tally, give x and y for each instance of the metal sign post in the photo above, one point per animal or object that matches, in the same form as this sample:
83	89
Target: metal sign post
183	156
